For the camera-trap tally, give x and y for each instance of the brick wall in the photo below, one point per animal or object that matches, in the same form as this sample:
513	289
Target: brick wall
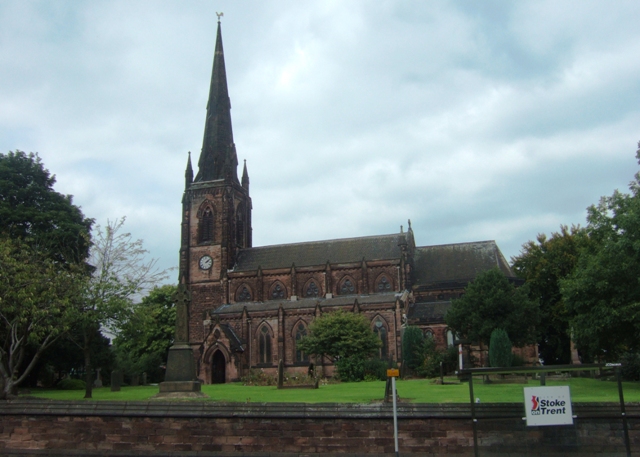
215	429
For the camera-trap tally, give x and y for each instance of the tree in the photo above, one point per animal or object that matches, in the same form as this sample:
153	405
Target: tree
120	273
31	210
342	336
412	348
543	264
38	301
146	334
500	354
491	302
603	292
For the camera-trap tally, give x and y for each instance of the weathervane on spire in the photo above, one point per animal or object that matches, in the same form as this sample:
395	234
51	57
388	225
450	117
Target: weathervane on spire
219	16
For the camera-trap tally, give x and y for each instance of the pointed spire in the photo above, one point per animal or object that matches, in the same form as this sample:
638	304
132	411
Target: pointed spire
188	173
245	176
218	158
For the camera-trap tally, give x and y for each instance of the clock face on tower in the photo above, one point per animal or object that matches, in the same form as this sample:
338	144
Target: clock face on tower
205	262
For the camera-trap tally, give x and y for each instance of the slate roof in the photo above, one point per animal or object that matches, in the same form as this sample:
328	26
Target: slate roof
458	263
315	253
341	300
431	312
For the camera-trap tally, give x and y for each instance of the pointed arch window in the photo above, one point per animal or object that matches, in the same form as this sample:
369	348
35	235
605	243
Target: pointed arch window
312	290
278	291
206	226
243	294
240	226
347	287
384	285
264	345
300	332
381	332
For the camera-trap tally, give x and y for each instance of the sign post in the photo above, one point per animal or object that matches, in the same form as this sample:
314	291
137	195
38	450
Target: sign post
393	374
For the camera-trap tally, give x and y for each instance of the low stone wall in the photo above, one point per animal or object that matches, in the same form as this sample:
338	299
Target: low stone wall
155	428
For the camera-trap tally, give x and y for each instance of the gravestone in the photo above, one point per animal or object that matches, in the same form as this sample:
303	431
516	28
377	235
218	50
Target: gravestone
98	381
116	380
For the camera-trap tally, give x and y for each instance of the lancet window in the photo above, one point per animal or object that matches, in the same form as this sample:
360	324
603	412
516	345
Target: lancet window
264	345
300	332
206	226
381	332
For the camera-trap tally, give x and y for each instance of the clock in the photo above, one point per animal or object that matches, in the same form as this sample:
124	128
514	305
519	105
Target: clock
205	262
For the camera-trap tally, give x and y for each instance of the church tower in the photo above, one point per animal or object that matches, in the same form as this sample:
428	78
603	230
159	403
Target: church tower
216	207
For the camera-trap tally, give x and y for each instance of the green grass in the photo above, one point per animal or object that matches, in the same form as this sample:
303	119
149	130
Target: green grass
417	391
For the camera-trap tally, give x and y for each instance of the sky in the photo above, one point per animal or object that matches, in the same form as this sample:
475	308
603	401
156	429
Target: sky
492	120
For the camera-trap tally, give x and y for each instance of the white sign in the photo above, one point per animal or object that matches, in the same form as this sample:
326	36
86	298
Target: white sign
548	405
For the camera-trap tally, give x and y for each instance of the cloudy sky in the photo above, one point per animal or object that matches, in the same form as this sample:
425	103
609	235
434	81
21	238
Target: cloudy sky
476	120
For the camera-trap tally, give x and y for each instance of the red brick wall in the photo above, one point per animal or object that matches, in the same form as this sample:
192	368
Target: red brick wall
206	428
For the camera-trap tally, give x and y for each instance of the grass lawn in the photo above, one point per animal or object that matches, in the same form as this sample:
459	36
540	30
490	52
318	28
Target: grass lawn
417	391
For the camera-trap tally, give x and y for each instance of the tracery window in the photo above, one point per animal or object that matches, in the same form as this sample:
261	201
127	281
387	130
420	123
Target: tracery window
206	226
383	284
244	294
428	334
264	345
347	287
312	290
277	291
300	332
449	338
381	332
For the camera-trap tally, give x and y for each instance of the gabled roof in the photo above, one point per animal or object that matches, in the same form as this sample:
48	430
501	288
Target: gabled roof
317	253
460	262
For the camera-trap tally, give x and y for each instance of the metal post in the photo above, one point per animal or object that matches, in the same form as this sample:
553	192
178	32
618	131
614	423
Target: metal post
473	416
395	414
624	414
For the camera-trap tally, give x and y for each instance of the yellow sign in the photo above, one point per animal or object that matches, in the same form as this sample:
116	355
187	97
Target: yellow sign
393	373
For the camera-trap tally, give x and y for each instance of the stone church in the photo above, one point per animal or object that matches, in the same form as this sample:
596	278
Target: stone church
251	305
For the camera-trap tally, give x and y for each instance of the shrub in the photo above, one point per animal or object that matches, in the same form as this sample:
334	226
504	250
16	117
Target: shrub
500	354
375	370
72	384
350	369
630	369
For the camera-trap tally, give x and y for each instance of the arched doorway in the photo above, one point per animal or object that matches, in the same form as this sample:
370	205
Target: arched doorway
218	367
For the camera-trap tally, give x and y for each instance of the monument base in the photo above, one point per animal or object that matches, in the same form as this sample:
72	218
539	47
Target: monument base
180	389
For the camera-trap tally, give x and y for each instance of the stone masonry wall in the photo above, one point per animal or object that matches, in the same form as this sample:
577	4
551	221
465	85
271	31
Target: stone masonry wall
215	429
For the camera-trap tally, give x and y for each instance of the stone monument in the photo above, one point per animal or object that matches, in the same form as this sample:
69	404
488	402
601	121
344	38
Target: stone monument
180	378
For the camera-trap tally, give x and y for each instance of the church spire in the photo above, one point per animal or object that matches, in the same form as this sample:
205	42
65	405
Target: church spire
218	159
245	176
188	173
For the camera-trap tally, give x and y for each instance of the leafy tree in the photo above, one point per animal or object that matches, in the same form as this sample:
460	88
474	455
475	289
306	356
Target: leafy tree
38	301
344	337
491	302
146	334
500	354
603	292
120	273
543	264
31	210
412	347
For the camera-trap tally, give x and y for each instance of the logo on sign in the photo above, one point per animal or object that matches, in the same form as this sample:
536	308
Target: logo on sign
542	407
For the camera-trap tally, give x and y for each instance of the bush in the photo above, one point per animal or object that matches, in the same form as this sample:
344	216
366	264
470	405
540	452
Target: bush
500	354
375	370
258	378
350	369
630	369
72	384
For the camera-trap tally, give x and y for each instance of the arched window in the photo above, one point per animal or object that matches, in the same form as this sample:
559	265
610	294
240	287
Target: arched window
240	227
312	289
243	294
347	287
384	285
449	338
381	332
428	334
206	226
278	291
264	345
300	332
